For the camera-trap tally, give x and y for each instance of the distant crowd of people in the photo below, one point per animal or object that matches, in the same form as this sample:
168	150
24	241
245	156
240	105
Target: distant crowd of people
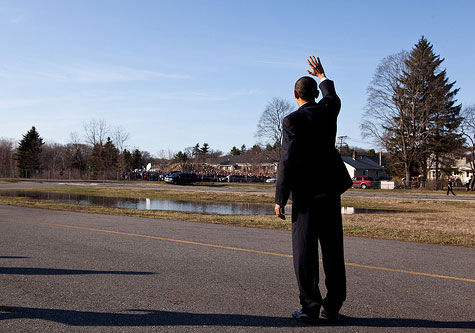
201	176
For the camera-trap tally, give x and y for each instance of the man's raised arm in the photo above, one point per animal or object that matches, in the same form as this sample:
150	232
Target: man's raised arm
326	86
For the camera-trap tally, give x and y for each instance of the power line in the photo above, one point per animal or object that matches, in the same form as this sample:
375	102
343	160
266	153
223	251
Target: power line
356	140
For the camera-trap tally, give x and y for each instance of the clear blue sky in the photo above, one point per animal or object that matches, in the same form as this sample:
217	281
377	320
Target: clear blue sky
174	73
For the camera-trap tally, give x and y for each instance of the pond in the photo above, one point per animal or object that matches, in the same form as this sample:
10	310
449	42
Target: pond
148	204
226	208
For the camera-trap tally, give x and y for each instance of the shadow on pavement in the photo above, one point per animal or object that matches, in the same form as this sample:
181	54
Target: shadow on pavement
53	271
13	257
167	318
143	318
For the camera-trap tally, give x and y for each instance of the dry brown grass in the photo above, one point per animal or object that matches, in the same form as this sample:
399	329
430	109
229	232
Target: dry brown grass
8	181
432	221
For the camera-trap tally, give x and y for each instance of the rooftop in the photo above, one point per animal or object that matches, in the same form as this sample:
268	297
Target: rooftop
362	162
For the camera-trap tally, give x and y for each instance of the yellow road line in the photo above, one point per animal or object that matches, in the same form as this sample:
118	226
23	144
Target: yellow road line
249	250
168	239
409	272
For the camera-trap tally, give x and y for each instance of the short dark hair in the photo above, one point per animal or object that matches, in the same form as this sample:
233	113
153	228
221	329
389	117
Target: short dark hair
307	88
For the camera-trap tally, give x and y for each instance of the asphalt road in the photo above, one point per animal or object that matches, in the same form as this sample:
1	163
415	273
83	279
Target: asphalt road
75	272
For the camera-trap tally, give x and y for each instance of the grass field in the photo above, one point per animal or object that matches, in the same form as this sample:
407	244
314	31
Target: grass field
3	181
415	220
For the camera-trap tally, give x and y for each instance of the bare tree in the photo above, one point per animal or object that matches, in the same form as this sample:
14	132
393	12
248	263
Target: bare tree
120	138
51	160
269	128
7	160
95	132
468	130
384	112
74	138
381	107
166	154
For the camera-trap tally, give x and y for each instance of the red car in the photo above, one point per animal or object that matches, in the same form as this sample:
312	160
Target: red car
363	182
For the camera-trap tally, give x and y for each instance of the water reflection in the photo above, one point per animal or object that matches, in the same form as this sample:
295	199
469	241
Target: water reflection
149	204
348	210
166	204
353	210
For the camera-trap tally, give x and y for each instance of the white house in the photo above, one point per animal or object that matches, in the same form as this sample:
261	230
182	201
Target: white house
463	169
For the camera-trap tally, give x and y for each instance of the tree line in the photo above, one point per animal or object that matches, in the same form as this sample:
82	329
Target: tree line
100	157
101	153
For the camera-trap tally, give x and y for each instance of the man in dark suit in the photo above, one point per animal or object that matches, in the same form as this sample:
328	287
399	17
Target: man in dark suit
312	172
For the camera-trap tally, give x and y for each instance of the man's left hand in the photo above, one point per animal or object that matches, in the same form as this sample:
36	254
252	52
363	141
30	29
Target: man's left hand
279	212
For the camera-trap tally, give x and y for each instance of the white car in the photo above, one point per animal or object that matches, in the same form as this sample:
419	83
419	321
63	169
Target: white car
271	180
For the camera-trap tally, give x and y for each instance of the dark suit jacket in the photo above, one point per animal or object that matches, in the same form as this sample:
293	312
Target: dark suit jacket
310	165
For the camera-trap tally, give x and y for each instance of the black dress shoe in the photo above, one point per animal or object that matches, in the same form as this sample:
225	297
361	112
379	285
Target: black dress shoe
330	316
304	317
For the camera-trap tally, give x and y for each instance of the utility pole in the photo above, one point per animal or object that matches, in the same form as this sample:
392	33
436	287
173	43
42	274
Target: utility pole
341	142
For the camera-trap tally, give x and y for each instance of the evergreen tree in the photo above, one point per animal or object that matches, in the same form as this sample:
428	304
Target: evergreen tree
127	156
235	151
196	150
79	161
96	161
110	156
205	148
137	159
432	118
181	157
28	154
104	158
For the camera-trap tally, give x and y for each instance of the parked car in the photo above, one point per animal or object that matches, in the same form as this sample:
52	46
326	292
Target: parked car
363	182
182	178
208	178
271	180
235	178
168	173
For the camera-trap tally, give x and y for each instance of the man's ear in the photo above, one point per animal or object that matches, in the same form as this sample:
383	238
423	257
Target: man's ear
296	94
